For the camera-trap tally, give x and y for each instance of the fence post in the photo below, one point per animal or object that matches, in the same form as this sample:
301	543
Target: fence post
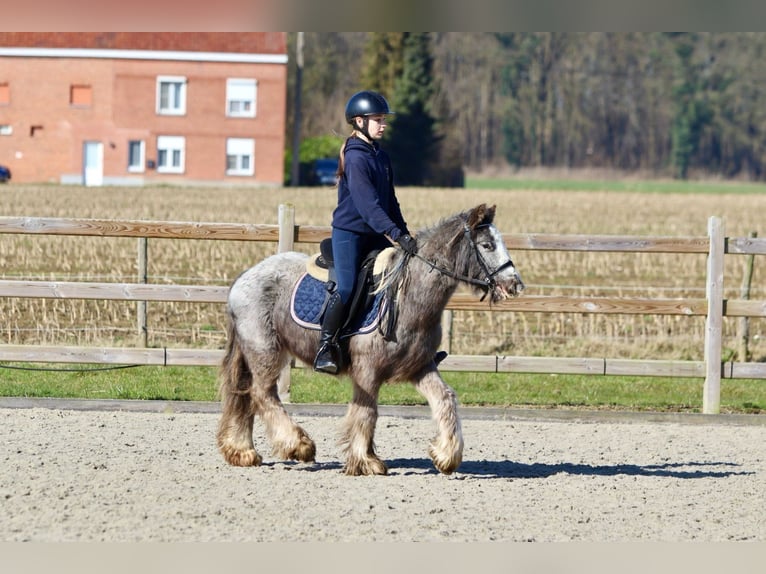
744	293
286	227
143	275
711	398
286	243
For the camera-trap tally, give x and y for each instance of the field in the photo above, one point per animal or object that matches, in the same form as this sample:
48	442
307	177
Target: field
535	206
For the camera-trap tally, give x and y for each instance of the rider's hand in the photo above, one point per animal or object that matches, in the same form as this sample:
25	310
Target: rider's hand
408	243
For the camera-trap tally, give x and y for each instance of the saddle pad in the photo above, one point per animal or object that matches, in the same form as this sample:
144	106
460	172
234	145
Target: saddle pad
307	301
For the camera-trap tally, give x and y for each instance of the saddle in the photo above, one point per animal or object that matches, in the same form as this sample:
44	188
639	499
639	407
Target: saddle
366	309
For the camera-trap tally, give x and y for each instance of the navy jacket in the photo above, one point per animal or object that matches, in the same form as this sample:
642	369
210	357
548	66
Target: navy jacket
366	200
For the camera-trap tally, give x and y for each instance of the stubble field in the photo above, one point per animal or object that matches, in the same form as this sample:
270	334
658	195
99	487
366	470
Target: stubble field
42	321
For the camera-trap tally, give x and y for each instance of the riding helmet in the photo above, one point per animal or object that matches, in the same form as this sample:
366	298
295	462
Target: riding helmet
366	103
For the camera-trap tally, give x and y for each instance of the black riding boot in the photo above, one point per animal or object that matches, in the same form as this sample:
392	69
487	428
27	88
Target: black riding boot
328	359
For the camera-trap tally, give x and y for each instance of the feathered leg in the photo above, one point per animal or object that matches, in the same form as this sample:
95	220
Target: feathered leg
249	387
358	435
289	441
446	448
235	428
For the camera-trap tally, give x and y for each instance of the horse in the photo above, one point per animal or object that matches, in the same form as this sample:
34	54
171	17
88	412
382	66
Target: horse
262	337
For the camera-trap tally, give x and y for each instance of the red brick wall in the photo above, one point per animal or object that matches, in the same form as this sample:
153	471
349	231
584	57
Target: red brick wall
124	102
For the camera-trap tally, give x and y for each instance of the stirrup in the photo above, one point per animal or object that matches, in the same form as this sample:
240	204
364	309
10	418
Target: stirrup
327	359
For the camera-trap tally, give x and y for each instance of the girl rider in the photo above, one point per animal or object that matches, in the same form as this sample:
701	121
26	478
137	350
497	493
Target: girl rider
366	218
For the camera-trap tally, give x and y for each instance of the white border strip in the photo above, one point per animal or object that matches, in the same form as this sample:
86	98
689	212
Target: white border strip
145	55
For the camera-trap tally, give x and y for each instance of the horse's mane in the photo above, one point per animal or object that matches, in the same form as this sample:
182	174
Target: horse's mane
450	230
446	232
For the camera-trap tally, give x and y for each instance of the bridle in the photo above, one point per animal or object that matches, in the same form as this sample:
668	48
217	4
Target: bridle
488	283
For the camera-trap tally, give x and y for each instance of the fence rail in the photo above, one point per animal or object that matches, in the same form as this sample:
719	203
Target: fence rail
714	307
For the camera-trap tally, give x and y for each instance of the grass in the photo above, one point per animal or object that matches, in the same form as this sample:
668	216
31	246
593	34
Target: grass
98	382
473	389
616	185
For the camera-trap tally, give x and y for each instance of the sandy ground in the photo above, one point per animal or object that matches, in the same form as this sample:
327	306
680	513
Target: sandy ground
85	471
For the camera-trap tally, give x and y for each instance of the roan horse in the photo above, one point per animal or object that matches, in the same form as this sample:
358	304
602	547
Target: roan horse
464	248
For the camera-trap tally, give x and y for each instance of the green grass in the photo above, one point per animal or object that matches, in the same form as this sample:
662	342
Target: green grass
475	389
94	382
669	186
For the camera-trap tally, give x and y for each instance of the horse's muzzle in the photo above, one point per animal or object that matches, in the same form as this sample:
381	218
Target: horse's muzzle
507	289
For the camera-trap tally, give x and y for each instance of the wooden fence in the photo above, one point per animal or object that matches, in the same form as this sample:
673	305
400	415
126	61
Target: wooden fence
713	306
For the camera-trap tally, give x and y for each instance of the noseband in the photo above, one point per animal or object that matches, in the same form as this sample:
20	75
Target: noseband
488	283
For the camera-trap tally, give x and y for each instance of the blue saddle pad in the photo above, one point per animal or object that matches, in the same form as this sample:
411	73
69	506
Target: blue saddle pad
306	306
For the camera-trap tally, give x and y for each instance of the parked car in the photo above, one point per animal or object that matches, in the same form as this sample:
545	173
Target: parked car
324	171
5	174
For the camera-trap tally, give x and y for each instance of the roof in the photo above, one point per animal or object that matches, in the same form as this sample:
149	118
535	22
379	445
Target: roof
221	42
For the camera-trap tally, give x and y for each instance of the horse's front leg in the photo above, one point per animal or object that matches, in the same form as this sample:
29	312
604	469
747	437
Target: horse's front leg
446	448
358	434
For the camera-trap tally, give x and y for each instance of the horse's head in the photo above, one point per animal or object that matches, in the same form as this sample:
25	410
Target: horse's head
491	266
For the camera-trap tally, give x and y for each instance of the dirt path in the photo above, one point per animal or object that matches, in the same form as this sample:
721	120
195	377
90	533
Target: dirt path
125	475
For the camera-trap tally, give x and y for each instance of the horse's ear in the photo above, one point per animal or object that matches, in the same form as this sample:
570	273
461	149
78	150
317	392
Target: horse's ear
489	215
481	215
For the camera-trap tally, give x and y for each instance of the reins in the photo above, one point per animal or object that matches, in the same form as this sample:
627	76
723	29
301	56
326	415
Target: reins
487	284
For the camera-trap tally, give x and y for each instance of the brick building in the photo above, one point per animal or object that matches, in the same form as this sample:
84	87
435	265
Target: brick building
129	108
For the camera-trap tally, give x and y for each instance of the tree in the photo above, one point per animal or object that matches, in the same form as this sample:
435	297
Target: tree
413	142
383	61
663	103
690	113
332	64
514	74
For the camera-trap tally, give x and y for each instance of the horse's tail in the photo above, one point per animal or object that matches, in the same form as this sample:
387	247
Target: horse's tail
235	376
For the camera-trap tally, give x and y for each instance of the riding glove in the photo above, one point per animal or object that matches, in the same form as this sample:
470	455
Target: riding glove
408	243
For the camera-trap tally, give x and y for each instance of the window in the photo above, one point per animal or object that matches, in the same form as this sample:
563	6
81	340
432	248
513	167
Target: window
5	94
80	96
170	154
240	98
239	156
136	153
171	95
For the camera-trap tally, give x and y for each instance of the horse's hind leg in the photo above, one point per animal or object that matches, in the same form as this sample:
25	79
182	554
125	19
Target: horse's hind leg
249	387
358	435
235	428
446	448
289	441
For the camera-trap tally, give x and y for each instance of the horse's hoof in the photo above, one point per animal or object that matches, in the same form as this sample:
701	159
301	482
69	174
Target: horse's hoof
242	457
446	464
366	467
449	467
305	451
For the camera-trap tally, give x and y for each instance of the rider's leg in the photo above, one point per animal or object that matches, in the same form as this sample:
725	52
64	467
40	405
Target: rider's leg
347	254
328	359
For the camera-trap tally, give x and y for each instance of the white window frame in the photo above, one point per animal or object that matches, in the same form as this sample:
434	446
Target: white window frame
174	149
141	165
175	108
241	97
238	149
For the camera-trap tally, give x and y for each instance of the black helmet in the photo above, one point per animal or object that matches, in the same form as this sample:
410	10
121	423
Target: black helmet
366	103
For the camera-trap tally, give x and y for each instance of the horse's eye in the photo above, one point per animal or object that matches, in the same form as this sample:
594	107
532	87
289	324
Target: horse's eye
488	245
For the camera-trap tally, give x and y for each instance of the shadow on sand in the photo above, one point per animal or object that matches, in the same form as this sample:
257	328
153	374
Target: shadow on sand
510	469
